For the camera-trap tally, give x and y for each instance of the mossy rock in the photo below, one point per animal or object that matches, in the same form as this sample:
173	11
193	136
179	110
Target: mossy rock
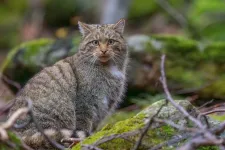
157	134
29	58
190	64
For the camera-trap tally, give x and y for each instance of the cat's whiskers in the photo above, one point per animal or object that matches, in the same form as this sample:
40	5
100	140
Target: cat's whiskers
114	60
92	63
118	56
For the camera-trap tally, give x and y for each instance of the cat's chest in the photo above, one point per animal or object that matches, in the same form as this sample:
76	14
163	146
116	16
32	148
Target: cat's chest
103	84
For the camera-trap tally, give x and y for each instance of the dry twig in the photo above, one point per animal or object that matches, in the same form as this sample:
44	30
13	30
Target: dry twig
91	147
203	137
170	99
147	126
212	111
172	141
172	124
114	136
6	107
11	82
10	122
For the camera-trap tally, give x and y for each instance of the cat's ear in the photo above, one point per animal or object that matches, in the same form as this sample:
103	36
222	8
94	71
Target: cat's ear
119	26
85	29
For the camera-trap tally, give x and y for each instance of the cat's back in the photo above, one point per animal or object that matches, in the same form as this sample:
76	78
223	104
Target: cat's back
53	87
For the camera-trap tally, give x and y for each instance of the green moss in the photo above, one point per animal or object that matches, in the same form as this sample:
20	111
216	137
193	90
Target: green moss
192	49
208	148
218	117
188	78
156	135
35	52
215	52
159	135
192	64
127	125
210	91
13	139
32	49
142	9
189	64
120	115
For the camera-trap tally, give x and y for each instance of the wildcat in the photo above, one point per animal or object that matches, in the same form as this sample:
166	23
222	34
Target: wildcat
77	93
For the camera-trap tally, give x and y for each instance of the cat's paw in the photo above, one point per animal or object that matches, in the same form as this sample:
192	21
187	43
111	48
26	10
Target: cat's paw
80	134
76	138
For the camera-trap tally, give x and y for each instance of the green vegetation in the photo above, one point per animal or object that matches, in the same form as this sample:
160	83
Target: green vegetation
156	135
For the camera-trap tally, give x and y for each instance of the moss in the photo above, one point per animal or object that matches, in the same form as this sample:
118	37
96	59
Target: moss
120	115
32	49
127	125
215	52
156	135
208	148
193	50
12	139
218	117
189	64
192	64
159	135
188	78
143	9
210	91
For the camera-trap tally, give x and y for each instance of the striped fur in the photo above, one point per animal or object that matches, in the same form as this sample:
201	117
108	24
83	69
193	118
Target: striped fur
77	93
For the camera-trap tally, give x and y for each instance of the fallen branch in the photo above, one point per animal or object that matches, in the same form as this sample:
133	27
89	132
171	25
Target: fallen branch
91	147
6	107
10	122
115	136
11	82
170	99
212	111
172	141
201	141
147	126
172	124
4	137
203	137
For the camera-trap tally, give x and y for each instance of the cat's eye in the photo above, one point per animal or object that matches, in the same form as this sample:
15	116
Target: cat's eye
95	42
111	42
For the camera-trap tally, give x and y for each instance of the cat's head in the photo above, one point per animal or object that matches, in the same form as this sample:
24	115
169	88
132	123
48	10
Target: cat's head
103	43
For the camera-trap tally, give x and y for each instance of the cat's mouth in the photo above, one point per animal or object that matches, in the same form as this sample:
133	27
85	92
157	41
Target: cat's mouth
104	58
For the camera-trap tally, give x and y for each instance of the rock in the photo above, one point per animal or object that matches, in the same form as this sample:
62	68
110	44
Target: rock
29	58
157	134
192	67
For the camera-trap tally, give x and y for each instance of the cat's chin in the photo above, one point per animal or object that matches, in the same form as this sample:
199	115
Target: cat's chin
104	59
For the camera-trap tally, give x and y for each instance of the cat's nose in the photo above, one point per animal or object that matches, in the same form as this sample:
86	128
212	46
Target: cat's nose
104	51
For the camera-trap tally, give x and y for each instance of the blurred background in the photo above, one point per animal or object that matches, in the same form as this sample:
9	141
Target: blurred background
37	33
